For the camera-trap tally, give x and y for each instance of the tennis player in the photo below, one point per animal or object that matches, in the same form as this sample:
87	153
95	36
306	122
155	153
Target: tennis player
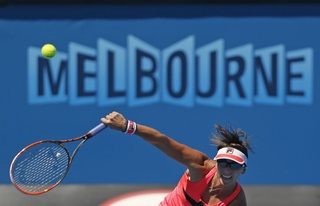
211	182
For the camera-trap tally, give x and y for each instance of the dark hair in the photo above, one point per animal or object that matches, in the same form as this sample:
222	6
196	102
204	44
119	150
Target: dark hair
229	137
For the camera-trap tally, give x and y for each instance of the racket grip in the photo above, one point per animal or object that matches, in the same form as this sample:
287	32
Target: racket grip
96	130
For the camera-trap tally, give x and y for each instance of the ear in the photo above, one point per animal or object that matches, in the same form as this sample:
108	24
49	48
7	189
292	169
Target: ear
244	170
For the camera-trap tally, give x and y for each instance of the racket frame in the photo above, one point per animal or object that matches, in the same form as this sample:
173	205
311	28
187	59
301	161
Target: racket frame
84	138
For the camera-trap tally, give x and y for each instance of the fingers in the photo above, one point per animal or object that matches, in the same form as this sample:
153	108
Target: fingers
115	120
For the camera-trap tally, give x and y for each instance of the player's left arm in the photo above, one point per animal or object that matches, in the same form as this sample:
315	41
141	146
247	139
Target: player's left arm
240	200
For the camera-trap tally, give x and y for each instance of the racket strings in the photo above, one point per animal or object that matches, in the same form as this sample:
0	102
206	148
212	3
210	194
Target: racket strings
41	167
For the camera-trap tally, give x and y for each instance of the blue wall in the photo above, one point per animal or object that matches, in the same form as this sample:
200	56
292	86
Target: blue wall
265	65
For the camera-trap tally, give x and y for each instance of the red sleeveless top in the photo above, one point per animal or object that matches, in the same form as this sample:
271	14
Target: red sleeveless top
195	191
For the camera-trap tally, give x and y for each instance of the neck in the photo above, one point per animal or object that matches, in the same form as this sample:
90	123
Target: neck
215	186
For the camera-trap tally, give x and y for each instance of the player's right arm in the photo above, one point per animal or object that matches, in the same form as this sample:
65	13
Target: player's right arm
187	156
193	159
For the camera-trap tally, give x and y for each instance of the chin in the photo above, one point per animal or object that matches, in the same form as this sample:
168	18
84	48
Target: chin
227	181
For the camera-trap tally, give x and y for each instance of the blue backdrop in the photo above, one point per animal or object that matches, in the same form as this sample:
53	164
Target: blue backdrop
179	75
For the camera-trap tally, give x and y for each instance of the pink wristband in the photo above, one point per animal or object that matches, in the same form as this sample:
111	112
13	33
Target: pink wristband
131	127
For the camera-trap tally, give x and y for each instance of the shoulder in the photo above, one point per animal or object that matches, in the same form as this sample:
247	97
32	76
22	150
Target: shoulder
240	200
197	173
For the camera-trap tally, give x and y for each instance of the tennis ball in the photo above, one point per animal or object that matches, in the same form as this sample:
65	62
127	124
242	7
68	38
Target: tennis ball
48	50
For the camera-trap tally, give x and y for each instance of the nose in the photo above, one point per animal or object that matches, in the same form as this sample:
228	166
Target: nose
227	168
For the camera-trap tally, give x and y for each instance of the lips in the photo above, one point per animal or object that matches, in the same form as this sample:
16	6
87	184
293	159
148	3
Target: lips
228	177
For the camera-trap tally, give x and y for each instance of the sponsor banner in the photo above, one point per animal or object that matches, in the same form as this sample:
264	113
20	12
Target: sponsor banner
180	76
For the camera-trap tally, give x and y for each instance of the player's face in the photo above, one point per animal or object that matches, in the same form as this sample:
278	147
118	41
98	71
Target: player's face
229	171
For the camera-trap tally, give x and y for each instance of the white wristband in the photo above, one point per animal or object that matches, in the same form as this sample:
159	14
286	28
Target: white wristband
131	127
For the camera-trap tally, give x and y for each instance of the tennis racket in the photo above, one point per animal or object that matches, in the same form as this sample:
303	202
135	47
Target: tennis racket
42	165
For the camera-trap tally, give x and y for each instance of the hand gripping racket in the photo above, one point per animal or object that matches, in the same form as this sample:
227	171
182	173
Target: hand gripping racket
41	166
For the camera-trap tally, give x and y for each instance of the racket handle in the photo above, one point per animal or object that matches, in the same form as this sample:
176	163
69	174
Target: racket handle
96	130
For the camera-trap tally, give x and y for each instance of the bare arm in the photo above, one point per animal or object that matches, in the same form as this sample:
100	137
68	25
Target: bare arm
187	156
193	159
240	200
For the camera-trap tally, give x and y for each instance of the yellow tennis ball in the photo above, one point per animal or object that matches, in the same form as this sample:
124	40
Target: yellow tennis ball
48	50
